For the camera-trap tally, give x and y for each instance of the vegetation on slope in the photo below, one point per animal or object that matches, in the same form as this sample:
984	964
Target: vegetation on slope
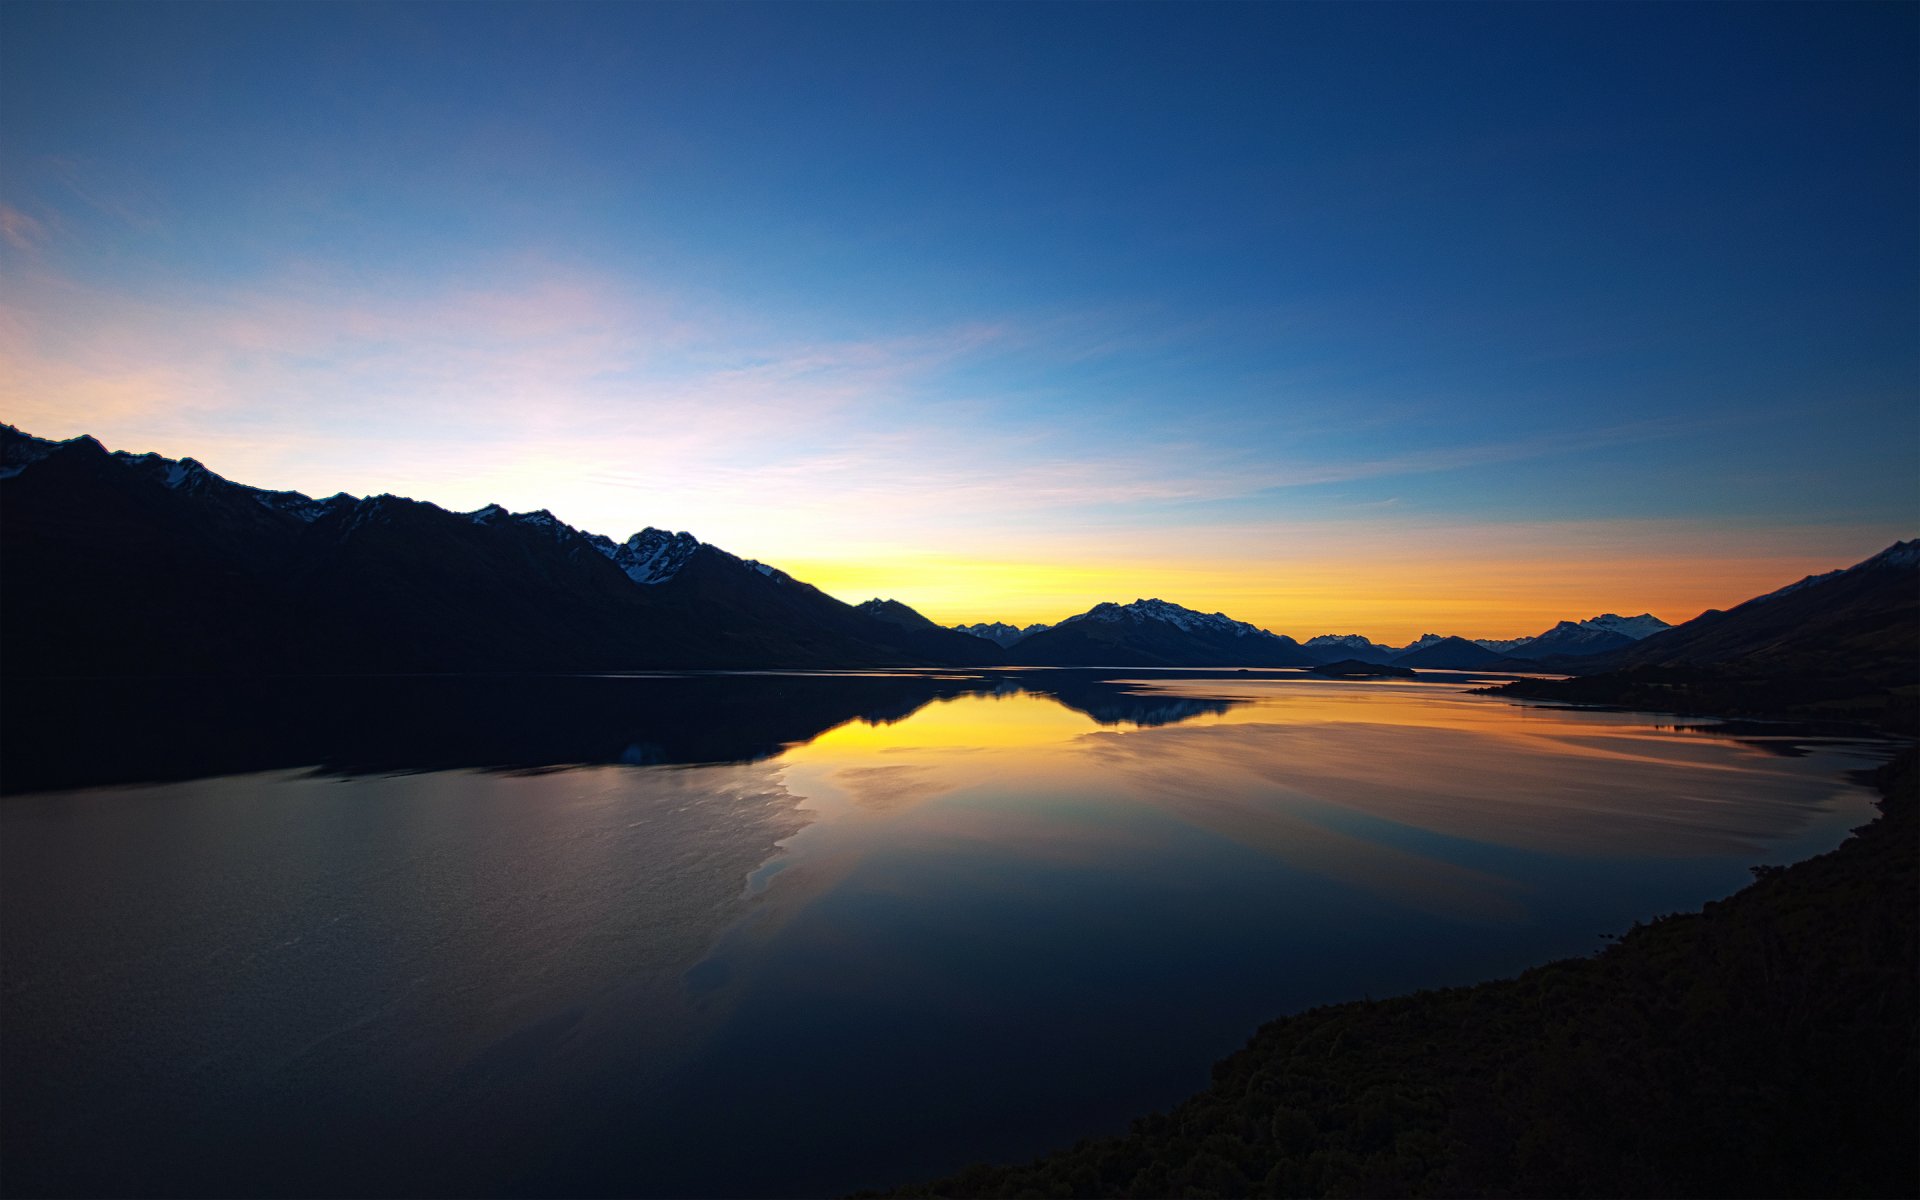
1765	1046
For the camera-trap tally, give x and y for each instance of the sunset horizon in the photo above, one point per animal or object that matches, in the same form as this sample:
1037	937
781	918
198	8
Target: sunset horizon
946	598
995	371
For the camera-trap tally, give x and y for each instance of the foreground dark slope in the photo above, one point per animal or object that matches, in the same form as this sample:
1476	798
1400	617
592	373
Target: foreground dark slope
117	565
1768	1045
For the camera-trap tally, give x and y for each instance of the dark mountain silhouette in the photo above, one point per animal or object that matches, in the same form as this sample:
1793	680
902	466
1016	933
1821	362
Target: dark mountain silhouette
121	564
1844	645
935	642
1356	668
1154	633
1458	654
1349	647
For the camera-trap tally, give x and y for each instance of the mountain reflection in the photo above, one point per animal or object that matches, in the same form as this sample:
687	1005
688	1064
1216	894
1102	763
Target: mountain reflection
95	732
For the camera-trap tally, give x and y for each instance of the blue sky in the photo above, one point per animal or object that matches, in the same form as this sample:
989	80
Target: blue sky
1330	315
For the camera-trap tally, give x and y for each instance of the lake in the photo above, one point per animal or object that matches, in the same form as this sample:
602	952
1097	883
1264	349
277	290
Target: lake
782	934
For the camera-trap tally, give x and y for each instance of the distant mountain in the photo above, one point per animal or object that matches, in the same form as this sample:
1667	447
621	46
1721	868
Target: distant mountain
1452	654
136	564
1155	633
894	613
936	642
1574	639
1000	633
1356	668
1337	647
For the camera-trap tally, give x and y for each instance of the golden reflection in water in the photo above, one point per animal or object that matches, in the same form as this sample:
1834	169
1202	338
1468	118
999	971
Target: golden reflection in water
1001	721
1289	772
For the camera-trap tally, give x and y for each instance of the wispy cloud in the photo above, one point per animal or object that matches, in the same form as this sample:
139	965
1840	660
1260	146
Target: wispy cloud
21	231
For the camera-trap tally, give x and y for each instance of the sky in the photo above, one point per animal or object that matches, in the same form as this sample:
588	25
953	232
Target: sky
1334	317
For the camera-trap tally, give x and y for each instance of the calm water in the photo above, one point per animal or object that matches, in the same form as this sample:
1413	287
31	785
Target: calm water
787	934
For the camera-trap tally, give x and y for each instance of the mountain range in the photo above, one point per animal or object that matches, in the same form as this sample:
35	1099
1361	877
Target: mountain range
119	564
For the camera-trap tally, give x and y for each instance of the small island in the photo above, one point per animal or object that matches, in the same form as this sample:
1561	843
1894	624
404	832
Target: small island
1353	668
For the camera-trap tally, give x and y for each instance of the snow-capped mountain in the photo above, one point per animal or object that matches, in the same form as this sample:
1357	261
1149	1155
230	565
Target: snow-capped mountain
1000	633
1595	635
1156	632
652	556
1171	614
1644	625
19	450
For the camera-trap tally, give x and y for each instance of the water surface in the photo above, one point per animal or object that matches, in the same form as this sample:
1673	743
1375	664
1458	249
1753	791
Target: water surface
783	934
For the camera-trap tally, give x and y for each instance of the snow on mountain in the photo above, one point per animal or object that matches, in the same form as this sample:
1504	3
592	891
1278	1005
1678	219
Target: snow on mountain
1592	634
192	476
1503	645
651	556
22	450
1000	633
1175	615
1420	643
1900	554
1644	625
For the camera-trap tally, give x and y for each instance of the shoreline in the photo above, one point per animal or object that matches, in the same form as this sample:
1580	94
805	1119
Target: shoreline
1766	1044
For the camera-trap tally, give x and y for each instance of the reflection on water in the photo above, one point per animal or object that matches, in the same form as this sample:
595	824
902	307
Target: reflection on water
82	732
818	933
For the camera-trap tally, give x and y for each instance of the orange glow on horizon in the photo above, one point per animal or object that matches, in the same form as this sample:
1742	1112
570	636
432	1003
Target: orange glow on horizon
1391	601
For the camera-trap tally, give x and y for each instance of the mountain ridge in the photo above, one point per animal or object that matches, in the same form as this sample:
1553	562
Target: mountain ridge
137	561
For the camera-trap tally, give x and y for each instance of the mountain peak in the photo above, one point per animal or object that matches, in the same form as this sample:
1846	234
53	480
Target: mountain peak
1000	633
651	556
1155	632
893	612
1179	616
